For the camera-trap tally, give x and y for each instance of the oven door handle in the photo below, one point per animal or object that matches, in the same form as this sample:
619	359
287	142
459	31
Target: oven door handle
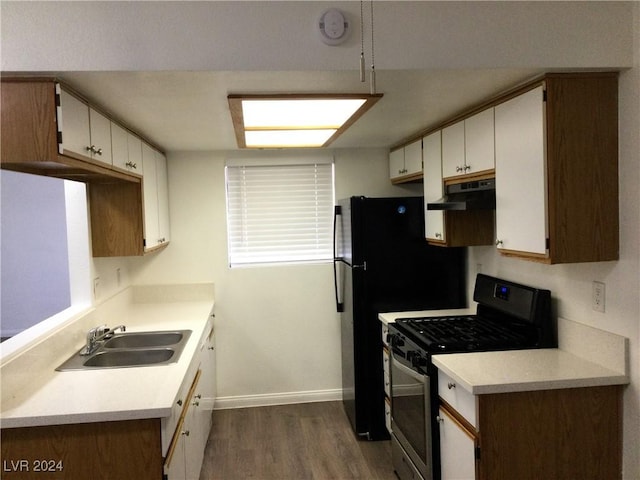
409	371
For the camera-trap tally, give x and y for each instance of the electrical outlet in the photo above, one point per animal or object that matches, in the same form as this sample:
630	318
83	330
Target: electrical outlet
598	296
96	288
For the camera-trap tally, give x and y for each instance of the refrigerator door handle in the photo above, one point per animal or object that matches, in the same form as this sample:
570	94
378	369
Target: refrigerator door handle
337	210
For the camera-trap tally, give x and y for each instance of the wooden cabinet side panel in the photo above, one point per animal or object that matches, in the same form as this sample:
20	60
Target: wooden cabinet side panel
100	451
559	434
116	219
28	126
582	148
469	227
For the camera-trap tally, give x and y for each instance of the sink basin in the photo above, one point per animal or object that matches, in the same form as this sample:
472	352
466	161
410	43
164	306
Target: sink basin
129	358
143	339
132	349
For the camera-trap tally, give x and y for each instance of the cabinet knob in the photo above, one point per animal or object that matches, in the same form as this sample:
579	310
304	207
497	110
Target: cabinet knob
467	168
451	385
179	402
211	348
499	243
132	165
198	395
185	433
90	148
98	151
459	168
196	403
438	235
439	419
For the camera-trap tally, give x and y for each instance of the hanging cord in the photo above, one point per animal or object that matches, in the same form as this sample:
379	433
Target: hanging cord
362	73
372	78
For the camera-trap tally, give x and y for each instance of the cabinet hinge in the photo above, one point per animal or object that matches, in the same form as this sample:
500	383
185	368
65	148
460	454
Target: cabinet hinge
544	95
59	137
477	453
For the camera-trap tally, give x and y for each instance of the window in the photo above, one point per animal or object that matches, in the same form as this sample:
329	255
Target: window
279	213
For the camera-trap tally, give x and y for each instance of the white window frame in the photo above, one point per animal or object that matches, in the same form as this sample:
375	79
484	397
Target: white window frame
260	202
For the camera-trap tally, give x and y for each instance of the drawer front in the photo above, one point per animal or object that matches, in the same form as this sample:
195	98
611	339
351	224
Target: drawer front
463	401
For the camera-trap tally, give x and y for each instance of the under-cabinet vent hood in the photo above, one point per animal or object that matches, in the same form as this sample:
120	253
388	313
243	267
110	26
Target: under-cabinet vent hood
475	195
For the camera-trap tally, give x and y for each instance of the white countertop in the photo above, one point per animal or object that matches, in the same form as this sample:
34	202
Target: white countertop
587	357
112	394
524	370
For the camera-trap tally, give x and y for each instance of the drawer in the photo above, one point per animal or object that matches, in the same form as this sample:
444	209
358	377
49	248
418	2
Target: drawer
463	401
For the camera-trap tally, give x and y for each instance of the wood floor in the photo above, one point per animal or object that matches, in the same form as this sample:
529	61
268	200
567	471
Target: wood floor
292	442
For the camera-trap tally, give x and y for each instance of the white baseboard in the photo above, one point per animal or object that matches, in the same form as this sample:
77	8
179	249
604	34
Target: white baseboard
244	401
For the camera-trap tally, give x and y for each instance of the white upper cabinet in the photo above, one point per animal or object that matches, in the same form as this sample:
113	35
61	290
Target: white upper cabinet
100	127
86	133
432	181
479	143
156	198
453	150
521	177
127	149
468	146
396	163
405	164
413	158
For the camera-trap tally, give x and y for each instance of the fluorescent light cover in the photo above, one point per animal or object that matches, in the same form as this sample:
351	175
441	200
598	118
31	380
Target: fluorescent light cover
260	121
287	138
301	113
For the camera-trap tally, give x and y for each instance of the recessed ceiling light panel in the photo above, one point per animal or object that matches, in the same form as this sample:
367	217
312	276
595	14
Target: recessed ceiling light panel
281	121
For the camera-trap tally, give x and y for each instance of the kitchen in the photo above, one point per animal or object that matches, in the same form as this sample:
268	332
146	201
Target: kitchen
254	368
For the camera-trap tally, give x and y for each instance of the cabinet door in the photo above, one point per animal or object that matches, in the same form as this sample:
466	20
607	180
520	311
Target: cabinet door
151	234
164	231
74	124
134	149
521	177
432	181
479	142
453	150
396	163
457	449
413	158
175	467
119	147
100	127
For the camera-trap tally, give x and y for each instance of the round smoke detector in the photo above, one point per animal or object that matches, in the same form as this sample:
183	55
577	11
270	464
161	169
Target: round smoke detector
334	27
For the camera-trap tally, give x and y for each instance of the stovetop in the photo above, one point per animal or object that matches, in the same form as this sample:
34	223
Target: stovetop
465	333
508	316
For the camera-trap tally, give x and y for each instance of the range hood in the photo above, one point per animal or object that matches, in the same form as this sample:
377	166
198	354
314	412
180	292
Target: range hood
475	195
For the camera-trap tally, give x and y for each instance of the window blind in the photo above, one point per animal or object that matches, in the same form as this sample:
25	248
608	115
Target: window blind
280	213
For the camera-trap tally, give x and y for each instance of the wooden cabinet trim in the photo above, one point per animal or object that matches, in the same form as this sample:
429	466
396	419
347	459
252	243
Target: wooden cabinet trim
458	419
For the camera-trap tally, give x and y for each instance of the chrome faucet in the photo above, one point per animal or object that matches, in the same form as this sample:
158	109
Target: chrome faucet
96	334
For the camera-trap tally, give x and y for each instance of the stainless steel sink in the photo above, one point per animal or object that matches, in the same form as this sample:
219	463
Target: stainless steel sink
143	339
132	349
130	358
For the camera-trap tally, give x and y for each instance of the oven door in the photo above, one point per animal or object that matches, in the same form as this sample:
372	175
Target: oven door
410	415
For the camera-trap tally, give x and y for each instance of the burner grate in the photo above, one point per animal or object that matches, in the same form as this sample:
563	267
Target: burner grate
462	333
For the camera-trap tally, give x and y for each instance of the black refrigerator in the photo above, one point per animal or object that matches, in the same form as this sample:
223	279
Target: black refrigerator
382	263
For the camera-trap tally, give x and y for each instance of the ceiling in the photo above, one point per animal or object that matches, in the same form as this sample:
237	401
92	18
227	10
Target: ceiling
188	110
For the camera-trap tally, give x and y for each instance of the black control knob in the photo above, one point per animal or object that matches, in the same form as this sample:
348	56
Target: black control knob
417	360
397	341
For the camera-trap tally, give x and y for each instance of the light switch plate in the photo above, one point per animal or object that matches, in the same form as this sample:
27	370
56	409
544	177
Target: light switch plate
598	296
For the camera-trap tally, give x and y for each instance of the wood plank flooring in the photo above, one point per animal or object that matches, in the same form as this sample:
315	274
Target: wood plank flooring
292	442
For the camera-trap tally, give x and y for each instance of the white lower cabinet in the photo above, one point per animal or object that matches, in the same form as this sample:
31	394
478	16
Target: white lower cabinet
457	449
185	453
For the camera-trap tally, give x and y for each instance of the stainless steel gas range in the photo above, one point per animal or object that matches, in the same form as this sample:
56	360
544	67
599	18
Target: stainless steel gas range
508	316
